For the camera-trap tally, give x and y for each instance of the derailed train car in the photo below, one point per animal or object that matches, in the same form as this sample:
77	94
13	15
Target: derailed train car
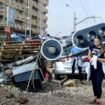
82	40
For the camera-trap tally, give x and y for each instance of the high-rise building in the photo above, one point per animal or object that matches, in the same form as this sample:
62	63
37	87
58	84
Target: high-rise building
24	16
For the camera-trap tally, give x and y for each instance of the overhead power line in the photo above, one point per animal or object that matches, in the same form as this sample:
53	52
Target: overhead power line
84	9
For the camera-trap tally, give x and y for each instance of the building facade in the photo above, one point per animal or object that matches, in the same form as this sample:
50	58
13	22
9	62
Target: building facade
24	16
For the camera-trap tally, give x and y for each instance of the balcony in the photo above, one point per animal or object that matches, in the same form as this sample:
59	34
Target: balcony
19	17
46	2
23	7
19	27
45	18
2	24
45	10
34	4
18	6
2	1
35	31
40	6
6	2
34	13
39	15
45	26
35	23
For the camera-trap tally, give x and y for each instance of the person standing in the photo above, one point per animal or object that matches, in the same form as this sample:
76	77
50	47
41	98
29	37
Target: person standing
97	74
78	61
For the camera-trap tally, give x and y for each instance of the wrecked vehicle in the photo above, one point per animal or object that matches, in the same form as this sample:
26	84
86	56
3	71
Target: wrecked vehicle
24	74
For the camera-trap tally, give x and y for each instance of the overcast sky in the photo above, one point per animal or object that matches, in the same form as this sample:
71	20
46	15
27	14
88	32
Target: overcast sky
61	14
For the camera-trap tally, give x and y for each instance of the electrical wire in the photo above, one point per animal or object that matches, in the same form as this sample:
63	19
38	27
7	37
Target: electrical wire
90	13
85	10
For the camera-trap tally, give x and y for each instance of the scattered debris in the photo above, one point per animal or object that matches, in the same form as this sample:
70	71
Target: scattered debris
18	97
21	99
70	83
8	73
9	94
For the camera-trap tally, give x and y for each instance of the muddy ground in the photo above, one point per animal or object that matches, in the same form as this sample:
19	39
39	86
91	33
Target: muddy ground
52	94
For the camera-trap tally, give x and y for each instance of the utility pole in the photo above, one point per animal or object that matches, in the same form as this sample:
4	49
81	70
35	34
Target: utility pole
75	19
40	22
28	20
41	19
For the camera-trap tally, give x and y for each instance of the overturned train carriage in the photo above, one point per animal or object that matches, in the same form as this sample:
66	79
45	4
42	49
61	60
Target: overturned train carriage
84	38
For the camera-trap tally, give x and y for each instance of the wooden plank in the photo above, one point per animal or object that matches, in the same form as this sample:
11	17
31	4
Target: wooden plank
24	49
12	47
5	60
7	57
17	44
26	42
12	50
38	41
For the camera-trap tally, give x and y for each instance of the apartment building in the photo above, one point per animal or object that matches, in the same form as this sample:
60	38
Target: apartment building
27	17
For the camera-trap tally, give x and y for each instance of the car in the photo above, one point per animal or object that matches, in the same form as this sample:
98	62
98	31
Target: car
64	67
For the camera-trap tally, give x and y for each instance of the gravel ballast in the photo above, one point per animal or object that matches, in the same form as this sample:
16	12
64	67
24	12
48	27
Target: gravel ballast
52	94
